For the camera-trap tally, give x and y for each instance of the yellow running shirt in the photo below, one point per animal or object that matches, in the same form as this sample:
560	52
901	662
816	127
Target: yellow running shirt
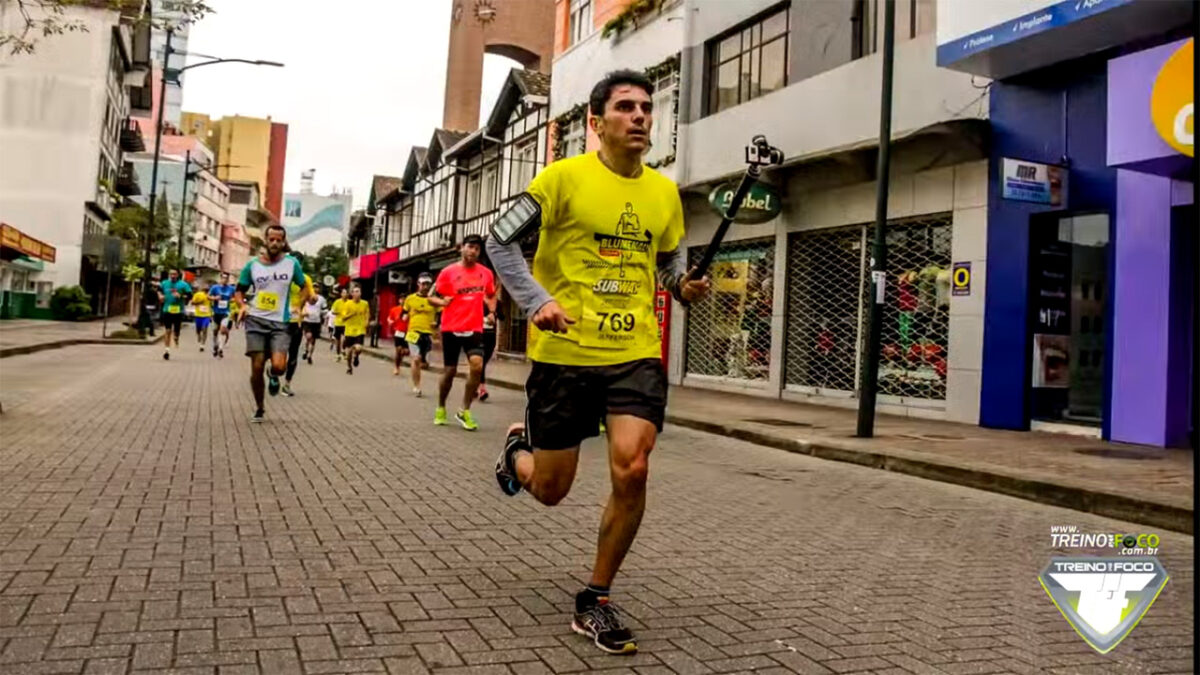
202	305
596	254
355	314
336	308
421	314
294	298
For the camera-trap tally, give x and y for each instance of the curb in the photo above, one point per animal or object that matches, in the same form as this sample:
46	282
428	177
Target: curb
59	344
1173	518
1165	516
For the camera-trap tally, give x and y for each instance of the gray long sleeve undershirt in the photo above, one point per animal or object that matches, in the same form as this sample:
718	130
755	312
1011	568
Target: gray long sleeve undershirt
509	263
510	266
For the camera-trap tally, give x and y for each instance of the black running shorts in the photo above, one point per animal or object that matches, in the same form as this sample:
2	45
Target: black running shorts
173	322
312	328
339	332
454	344
567	403
352	340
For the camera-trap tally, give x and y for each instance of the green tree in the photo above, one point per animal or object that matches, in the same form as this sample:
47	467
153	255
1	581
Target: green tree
48	18
331	260
130	222
171	260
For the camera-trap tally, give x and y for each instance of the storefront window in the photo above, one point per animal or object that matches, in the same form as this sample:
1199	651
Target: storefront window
827	311
729	333
1068	286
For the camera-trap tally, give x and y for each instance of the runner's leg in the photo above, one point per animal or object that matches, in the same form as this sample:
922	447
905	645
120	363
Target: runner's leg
547	474
630	440
416	370
293	356
474	375
258	384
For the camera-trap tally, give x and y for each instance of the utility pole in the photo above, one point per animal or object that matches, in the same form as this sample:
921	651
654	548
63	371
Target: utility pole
869	387
158	131
183	205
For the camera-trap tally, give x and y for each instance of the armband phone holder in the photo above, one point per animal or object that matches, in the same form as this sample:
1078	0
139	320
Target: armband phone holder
521	218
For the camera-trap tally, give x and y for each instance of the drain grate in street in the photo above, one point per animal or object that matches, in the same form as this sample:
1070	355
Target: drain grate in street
772	422
1117	453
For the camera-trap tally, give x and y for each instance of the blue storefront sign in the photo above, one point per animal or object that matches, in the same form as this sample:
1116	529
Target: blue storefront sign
1032	182
1054	16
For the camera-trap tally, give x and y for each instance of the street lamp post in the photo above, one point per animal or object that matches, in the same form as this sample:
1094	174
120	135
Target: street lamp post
158	132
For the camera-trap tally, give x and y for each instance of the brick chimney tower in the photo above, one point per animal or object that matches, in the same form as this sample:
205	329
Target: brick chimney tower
522	30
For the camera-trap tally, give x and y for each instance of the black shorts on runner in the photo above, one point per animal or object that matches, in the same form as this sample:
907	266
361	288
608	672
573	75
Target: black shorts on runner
352	340
339	332
422	346
568	403
173	322
399	342
313	328
218	320
454	344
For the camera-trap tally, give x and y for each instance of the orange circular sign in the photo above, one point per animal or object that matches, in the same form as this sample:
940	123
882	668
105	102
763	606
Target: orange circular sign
1172	103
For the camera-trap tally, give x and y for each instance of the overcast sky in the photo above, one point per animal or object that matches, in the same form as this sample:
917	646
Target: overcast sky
363	81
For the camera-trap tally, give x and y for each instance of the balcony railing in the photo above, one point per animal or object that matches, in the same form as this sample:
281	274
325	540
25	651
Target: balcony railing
127	180
432	240
131	136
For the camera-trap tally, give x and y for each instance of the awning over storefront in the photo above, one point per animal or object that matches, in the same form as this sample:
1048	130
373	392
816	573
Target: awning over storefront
17	241
390	256
367	264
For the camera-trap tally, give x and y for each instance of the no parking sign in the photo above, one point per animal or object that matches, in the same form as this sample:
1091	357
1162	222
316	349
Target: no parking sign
960	279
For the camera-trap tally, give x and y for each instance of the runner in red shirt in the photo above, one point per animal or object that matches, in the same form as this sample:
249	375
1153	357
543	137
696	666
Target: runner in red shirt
398	324
465	288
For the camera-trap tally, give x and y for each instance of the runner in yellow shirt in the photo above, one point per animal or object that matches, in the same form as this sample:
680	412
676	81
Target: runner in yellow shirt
202	305
421	315
339	322
610	228
296	297
356	312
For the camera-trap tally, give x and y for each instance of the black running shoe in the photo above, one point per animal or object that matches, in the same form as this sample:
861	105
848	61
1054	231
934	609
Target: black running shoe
506	467
258	416
605	625
166	356
356	360
273	385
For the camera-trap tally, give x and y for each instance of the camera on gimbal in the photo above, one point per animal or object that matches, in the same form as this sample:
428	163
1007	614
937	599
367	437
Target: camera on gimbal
762	153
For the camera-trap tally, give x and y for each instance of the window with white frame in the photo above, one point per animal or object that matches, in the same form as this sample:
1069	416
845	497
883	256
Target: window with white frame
524	164
489	197
575	138
474	191
581	20
662	134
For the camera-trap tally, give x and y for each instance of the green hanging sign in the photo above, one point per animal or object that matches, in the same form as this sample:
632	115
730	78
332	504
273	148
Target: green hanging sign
761	204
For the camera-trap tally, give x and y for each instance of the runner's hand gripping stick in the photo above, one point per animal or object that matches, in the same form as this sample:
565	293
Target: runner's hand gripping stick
759	154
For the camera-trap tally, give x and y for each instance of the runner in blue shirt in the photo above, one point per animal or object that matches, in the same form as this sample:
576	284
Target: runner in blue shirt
221	295
174	294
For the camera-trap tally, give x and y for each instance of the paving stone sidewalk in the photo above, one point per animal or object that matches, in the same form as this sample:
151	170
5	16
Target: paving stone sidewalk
25	336
1152	486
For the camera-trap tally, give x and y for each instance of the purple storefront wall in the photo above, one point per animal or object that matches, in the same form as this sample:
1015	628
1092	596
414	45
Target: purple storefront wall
1151	344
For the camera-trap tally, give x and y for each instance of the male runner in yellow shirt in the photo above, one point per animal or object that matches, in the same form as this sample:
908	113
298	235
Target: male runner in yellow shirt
202	305
421	315
356	312
339	322
610	227
297	298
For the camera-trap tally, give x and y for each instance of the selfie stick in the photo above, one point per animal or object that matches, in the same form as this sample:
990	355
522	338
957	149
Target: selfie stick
759	153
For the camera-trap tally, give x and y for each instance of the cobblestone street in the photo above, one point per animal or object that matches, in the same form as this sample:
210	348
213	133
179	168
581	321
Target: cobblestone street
147	526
